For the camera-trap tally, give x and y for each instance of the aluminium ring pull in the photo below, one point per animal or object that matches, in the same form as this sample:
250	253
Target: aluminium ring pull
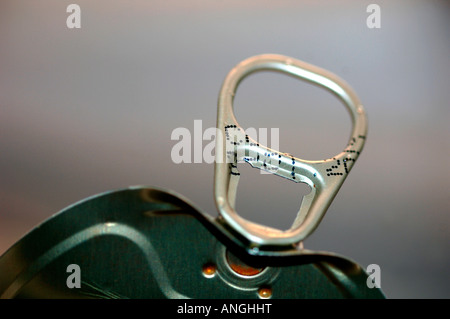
324	177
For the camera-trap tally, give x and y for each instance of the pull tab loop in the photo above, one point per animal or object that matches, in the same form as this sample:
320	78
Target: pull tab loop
325	177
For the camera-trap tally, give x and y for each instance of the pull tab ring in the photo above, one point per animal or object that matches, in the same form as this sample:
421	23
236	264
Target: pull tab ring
324	177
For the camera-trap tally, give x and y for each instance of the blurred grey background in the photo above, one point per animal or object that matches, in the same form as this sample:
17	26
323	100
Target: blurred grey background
83	111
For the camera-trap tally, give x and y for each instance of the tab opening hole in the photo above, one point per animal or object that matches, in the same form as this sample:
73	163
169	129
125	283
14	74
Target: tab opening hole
268	199
308	121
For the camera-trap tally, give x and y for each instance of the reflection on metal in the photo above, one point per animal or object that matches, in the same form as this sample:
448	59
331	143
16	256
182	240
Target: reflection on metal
143	242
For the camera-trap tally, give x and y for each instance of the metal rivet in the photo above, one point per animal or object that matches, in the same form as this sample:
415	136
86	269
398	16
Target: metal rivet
265	292
241	268
209	270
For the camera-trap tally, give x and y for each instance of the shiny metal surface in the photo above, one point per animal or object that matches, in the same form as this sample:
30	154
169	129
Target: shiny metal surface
324	177
143	242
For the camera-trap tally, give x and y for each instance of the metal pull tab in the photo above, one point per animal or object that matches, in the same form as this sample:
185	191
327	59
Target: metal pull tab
324	177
